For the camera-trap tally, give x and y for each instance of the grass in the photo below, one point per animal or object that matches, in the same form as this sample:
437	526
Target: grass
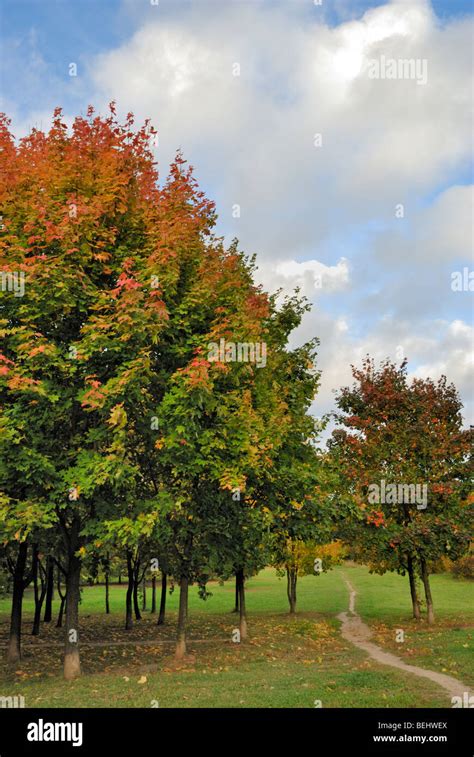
287	662
384	603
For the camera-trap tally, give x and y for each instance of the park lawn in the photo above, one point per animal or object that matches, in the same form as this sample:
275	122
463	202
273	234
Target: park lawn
384	603
287	662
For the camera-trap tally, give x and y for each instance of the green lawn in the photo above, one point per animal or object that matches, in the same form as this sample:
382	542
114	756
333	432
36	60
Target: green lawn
384	603
287	662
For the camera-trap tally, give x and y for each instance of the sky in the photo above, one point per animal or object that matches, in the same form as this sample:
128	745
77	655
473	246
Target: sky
346	169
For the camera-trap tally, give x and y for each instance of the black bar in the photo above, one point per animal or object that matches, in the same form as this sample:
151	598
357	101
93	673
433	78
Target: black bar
113	732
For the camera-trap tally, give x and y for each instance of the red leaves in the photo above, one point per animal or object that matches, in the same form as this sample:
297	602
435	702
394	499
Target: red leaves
127	282
376	518
4	363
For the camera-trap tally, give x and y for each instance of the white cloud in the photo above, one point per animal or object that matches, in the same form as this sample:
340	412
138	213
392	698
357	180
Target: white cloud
311	276
323	211
384	142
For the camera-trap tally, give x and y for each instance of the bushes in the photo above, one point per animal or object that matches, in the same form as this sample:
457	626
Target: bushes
464	567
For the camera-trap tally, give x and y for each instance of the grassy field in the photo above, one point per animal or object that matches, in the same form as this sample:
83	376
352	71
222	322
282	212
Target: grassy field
287	661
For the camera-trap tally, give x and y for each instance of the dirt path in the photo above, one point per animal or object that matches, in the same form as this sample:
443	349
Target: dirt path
358	633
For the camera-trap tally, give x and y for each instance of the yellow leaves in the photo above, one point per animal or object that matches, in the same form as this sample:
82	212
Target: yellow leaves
118	416
159	444
102	256
82	551
142	679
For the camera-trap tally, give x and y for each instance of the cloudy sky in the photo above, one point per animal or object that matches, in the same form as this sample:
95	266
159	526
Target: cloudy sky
346	171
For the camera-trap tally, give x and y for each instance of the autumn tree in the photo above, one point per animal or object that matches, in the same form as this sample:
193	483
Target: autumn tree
75	209
404	456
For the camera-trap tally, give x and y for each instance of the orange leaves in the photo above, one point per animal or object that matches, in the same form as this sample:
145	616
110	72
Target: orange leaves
376	518
37	350
94	397
24	383
4	363
442	488
102	257
196	373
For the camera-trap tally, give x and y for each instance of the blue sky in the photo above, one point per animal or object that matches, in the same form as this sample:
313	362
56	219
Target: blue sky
312	214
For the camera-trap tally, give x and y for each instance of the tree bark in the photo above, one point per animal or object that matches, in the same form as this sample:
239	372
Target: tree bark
291	579
182	617
14	641
128	598
39	594
59	623
161	616
236	598
242	613
429	599
107	597
72	663
144	595
414	594
153	595
136	583
48	607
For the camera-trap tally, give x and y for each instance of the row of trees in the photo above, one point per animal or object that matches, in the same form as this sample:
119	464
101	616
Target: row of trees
122	437
118	432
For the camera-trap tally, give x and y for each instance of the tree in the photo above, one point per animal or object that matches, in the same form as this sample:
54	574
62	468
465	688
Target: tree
405	457
76	208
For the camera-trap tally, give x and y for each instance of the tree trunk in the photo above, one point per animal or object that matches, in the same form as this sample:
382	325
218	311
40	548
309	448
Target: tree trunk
34	572
242	614
120	578
39	594
72	663
153	595
291	578
429	599
136	583
144	594
182	617
59	623
14	641
128	599
161	616
236	599
48	607
107	598
414	594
